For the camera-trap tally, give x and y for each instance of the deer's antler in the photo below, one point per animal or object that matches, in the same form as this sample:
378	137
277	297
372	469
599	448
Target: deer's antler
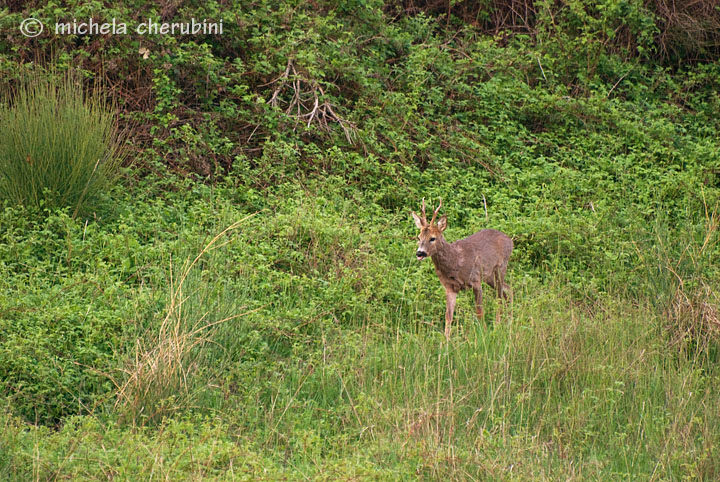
423	210
436	211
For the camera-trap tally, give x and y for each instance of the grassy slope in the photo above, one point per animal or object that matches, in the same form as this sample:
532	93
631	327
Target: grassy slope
122	357
344	370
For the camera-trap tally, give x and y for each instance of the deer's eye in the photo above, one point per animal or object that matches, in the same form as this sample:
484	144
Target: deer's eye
432	240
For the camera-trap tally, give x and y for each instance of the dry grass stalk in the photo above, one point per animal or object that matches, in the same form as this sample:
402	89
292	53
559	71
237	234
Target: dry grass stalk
162	368
695	316
694	313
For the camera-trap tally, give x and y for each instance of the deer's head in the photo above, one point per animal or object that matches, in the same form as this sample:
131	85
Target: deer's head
430	235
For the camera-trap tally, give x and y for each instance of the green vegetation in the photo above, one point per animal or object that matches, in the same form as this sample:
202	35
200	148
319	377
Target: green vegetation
248	305
59	149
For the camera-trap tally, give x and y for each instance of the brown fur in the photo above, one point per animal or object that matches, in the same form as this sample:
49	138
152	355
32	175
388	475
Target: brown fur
466	263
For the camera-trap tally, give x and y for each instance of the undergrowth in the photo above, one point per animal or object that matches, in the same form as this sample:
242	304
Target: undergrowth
249	306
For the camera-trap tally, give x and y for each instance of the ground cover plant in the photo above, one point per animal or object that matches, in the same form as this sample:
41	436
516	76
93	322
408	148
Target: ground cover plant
243	301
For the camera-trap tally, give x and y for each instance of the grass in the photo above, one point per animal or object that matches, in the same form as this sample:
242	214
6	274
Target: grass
60	146
338	367
552	392
304	343
164	366
171	341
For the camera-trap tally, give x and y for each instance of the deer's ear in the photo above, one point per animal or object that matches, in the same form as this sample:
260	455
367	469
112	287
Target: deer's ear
442	223
419	222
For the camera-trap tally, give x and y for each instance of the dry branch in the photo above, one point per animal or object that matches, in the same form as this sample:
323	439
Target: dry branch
310	105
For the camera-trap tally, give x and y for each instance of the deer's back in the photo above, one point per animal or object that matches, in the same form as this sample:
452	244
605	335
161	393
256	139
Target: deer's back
485	251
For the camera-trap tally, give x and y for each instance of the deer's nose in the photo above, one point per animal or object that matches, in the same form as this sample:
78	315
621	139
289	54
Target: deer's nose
421	254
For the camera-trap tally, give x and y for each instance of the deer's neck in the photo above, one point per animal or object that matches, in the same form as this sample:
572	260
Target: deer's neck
445	257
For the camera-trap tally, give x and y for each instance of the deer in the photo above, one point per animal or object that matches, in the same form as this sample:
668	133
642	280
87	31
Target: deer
466	263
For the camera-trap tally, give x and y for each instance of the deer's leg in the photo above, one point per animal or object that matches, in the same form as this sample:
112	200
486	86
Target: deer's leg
504	289
499	282
507	292
450	297
478	302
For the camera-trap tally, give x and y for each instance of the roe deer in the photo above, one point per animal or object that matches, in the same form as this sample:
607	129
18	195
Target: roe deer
466	263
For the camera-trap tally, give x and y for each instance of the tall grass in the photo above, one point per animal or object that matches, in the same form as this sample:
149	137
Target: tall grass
161	378
60	146
556	391
679	274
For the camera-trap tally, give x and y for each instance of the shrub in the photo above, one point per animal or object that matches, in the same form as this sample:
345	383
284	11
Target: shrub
60	147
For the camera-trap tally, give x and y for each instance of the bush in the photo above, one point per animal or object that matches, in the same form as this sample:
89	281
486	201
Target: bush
60	147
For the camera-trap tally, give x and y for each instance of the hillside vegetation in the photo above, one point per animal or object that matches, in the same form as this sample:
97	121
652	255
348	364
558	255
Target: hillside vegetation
240	300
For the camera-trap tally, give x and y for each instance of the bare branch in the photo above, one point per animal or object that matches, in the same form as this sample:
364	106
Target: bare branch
322	112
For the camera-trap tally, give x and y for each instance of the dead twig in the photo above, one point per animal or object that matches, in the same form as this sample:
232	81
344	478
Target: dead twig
311	106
